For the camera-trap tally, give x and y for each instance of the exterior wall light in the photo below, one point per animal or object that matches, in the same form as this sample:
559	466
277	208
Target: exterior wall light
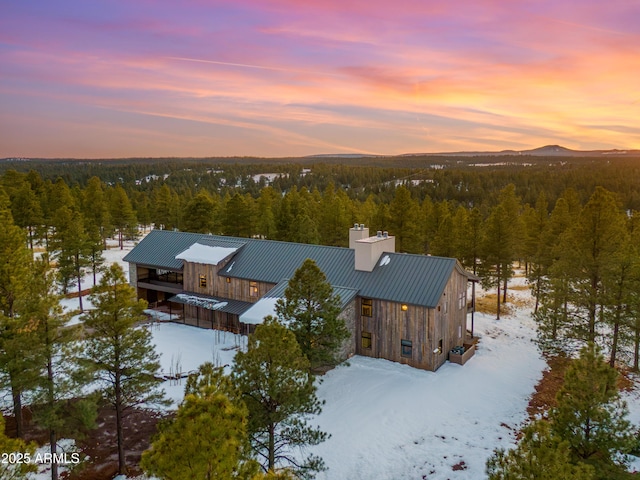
404	307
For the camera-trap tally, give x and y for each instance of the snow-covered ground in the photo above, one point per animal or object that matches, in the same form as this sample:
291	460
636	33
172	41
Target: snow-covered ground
390	421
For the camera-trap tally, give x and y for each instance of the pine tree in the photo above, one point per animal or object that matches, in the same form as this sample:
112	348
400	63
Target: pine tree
16	470
405	222
122	215
26	211
121	355
311	310
590	415
586	257
237	217
272	376
95	211
538	456
16	337
500	245
265	213
60	376
208	438
71	248
200	213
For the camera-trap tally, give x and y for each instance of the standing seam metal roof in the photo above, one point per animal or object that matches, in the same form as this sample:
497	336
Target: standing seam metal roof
406	278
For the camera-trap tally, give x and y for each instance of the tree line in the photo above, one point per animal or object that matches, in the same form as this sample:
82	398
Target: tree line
580	249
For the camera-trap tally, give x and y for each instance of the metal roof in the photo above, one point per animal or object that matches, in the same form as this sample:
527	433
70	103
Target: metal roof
404	278
160	247
346	293
236	307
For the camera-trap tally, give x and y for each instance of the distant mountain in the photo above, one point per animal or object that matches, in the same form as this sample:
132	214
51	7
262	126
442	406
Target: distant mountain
546	151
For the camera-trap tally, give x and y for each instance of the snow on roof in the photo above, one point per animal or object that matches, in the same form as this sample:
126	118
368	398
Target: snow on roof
206	254
262	308
199	301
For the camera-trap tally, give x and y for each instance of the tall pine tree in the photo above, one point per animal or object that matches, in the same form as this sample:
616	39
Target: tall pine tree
272	376
311	310
122	356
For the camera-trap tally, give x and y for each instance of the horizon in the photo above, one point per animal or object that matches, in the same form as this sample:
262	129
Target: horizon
280	79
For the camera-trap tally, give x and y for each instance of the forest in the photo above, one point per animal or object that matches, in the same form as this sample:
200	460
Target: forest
572	224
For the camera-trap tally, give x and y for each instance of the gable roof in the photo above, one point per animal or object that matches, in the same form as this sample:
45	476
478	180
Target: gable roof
396	277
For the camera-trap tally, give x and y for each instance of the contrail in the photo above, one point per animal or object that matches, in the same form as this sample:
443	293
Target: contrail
245	65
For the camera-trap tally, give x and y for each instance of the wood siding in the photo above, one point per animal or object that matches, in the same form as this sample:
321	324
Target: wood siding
422	326
217	286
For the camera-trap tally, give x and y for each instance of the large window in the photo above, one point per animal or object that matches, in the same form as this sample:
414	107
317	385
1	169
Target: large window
367	307
366	340
253	289
406	348
203	281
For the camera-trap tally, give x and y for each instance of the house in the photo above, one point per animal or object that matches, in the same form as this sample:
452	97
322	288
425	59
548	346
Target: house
403	307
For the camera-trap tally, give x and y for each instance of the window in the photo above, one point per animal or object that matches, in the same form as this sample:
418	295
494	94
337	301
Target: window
367	307
253	289
366	340
406	348
203	281
462	300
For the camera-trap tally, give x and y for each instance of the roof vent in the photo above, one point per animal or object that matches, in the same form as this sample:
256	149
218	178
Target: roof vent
385	234
355	226
379	234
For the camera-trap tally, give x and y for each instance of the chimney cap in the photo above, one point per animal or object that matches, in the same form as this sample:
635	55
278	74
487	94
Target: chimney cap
379	234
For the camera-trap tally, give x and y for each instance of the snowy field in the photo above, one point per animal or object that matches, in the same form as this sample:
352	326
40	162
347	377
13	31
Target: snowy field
390	421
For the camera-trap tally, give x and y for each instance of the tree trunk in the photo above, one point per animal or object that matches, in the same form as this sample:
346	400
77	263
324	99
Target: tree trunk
504	290
122	467
498	282
53	437
17	410
272	447
636	347
79	276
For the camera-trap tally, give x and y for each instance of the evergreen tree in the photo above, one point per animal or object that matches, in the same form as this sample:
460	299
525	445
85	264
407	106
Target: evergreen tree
590	416
16	337
335	217
499	245
208	438
265	213
17	470
121	355
26	211
539	455
200	213
587	258
161	211
237	217
71	248
60	376
95	211
122	215
405	222
272	376
311	310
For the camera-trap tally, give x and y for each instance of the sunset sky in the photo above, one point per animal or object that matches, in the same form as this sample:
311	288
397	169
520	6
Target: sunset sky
125	78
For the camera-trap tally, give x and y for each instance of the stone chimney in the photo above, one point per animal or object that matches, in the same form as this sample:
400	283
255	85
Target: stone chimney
369	249
358	232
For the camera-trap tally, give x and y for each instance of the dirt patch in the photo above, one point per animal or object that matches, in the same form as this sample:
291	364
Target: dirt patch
547	388
488	304
459	466
100	444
